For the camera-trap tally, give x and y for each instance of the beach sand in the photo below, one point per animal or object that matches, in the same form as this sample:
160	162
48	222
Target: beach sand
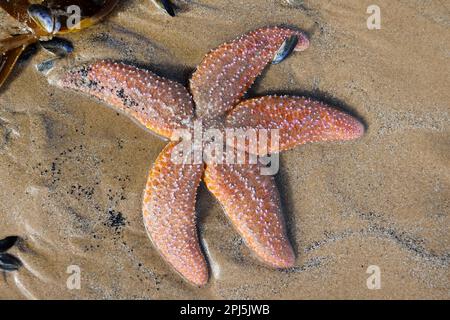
73	171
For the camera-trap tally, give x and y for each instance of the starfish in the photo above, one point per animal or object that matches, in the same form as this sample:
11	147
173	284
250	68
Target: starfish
217	87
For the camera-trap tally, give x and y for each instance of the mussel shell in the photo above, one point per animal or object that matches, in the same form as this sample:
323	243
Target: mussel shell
58	46
8	262
7	243
166	6
46	66
57	25
285	50
28	52
43	17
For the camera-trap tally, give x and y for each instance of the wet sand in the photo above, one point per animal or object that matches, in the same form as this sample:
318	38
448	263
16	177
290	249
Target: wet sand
73	171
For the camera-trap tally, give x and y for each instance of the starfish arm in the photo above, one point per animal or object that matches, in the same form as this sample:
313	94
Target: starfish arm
251	201
159	104
299	121
226	73
169	215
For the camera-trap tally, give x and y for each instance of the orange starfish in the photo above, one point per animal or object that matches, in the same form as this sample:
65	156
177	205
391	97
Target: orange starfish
249	199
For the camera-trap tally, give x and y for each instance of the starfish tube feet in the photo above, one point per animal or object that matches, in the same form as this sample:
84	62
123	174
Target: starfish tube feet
159	104
251	201
170	218
299	121
226	73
